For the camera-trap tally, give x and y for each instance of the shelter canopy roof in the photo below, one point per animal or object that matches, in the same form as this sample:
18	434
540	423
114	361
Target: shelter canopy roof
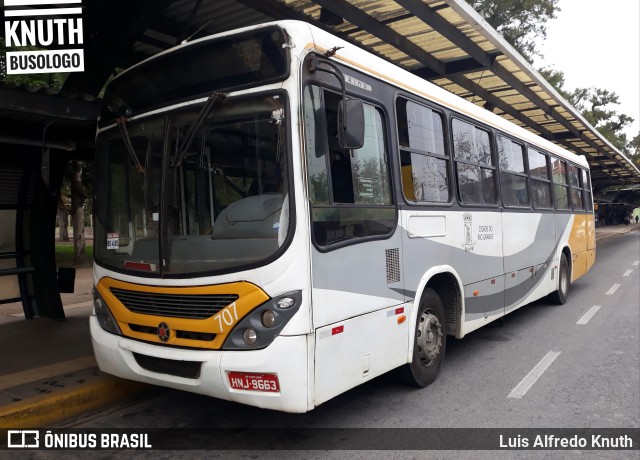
443	41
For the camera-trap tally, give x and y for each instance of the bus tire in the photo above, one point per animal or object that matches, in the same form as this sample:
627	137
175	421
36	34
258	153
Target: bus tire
430	342
559	297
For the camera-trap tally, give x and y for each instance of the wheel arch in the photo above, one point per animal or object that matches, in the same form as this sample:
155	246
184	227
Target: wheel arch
445	281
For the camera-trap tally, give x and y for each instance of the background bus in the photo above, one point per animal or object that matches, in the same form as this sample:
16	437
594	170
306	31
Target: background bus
281	216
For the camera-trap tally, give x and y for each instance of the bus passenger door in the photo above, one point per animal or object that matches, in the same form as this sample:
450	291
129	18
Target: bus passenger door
355	255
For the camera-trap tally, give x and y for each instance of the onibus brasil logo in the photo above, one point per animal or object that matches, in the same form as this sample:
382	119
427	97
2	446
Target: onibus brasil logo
47	24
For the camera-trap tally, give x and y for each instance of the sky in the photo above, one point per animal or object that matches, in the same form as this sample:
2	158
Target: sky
597	43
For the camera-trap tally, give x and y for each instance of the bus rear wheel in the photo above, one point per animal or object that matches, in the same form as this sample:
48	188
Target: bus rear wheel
559	297
430	341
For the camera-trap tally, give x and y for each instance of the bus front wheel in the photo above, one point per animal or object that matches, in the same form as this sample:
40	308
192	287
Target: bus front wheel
429	343
560	296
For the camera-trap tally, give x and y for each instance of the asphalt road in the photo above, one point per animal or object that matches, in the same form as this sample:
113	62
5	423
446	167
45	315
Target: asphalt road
587	368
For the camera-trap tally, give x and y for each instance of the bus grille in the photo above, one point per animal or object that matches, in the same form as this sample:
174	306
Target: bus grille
189	335
192	306
186	369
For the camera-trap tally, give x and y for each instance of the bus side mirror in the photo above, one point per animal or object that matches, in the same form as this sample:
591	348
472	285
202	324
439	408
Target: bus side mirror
351	124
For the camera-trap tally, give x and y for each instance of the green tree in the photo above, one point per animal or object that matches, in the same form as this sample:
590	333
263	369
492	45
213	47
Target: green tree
38	80
520	22
597	106
556	79
634	150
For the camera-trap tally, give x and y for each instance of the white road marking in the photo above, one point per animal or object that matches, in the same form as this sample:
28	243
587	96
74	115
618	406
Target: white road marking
628	272
613	289
532	377
588	315
636	263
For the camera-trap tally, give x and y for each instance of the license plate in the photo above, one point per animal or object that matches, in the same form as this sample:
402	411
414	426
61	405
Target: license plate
254	382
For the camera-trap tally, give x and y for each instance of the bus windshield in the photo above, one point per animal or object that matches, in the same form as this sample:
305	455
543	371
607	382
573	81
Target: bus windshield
216	202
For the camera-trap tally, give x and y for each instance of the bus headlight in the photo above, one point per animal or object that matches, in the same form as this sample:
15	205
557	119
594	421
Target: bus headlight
250	337
103	314
260	327
268	319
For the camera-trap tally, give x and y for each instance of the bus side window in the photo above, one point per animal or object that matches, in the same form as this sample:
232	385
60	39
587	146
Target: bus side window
513	174
341	180
423	158
576	188
349	190
540	182
586	184
475	169
560	183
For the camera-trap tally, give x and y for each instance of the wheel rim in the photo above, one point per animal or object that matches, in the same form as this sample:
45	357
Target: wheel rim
429	338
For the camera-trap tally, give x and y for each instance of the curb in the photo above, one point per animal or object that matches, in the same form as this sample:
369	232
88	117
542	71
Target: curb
47	410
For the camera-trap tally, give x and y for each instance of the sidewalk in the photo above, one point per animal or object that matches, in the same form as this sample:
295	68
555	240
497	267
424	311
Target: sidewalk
48	373
47	370
612	230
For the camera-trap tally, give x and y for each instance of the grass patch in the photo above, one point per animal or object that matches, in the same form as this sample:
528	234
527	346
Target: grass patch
64	256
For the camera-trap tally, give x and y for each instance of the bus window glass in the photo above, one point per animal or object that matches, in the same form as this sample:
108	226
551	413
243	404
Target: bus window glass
514	190
513	181
538	165
223	193
424	164
574	176
560	188
424	127
476	184
474	164
471	143
576	188
483	147
315	139
576	199
359	202
428	178
511	155
586	183
369	169
540	184
128	205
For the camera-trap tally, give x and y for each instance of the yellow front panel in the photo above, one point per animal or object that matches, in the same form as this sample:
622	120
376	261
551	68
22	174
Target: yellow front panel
212	331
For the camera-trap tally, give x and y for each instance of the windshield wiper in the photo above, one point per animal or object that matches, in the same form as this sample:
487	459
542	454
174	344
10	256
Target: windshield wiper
122	126
208	106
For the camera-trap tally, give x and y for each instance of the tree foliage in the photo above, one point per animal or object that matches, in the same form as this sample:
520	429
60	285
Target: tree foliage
556	79
634	150
38	80
598	107
520	22
523	24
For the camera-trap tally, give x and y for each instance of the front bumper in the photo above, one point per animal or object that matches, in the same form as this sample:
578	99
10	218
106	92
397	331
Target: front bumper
286	357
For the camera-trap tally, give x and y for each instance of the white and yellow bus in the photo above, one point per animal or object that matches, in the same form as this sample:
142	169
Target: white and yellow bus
282	216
